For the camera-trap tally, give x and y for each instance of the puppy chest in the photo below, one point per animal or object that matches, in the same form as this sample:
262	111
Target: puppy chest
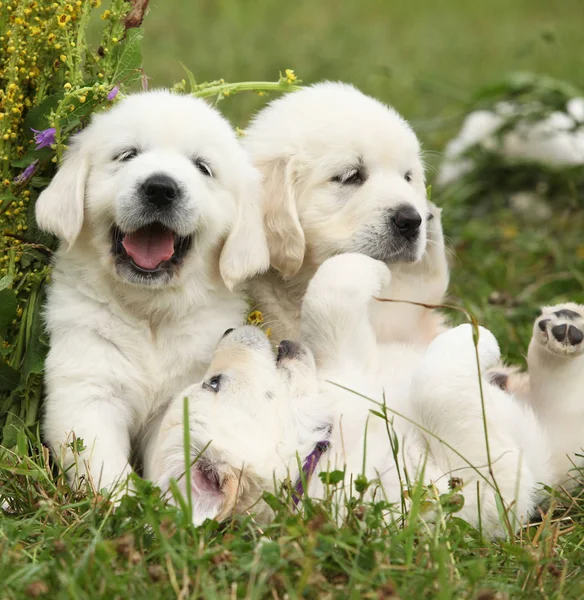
174	362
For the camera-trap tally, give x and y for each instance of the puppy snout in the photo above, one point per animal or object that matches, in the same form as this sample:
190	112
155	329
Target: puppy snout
407	221
288	349
160	190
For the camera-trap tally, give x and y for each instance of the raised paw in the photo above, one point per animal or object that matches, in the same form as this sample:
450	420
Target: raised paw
353	274
560	329
458	345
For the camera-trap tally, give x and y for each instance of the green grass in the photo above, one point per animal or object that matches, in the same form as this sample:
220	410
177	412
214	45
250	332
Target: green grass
426	58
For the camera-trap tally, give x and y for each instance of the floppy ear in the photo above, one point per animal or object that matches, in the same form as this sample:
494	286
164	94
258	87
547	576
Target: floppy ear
283	229
245	252
59	209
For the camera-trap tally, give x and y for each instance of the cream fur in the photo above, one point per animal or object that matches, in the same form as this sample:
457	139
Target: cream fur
122	348
267	415
553	388
301	143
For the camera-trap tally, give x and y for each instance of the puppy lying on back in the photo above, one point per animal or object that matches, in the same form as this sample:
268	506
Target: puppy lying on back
153	205
553	386
254	413
343	173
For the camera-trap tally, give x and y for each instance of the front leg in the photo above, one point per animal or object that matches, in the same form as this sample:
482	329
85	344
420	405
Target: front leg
335	317
86	378
424	282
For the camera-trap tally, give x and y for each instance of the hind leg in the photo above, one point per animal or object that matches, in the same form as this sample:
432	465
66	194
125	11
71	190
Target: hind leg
448	401
556	372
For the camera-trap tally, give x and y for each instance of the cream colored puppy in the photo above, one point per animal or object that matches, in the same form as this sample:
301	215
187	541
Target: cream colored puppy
254	416
343	173
153	205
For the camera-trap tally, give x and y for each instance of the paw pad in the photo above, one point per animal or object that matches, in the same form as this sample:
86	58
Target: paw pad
561	331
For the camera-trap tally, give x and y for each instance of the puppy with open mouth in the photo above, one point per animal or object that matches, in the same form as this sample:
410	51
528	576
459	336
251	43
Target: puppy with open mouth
153	205
344	173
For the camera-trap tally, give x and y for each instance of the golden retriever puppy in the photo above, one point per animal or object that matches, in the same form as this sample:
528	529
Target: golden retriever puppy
343	173
153	205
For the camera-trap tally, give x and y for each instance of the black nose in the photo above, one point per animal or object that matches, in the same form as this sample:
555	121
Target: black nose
160	190
288	349
407	221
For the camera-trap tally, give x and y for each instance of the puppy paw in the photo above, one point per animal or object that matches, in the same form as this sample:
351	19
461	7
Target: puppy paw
560	329
351	274
458	345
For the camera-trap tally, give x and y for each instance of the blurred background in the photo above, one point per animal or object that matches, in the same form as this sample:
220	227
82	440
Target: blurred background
424	57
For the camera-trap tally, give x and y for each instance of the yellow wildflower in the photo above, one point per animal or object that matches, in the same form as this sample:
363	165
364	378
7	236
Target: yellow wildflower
255	318
290	76
62	20
106	15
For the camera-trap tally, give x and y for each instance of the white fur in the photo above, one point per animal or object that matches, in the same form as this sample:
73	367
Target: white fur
301	142
267	416
553	388
120	348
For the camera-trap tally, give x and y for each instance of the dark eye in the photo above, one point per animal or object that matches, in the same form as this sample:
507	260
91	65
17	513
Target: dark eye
408	176
214	384
354	176
126	155
203	167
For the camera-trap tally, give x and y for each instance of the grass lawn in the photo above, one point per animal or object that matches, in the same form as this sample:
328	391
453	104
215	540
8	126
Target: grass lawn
426	58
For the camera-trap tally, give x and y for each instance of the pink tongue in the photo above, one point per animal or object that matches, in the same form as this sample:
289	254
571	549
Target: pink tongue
149	247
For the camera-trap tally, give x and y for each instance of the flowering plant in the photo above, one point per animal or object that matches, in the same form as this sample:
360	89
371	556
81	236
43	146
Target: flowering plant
51	81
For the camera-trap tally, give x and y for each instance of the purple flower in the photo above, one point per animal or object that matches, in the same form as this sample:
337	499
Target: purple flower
113	93
44	138
27	173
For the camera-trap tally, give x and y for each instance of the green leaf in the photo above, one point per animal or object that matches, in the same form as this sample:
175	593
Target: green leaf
10	431
127	57
36	348
6	281
332	477
361	484
190	77
9	377
38	117
274	503
8	305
